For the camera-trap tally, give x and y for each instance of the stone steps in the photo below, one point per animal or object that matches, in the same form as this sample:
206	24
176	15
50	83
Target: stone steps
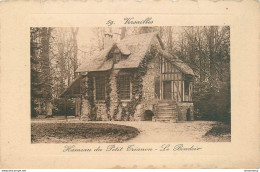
166	109
165	119
166	112
163	105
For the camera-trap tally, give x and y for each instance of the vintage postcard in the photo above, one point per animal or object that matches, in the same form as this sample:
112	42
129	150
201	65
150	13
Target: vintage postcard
128	84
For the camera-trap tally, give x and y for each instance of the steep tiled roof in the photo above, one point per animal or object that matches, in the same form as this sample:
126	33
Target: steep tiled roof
177	62
135	48
183	66
138	46
97	62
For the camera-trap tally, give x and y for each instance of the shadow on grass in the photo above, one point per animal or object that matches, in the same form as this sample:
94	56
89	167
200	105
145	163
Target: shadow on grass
81	132
219	129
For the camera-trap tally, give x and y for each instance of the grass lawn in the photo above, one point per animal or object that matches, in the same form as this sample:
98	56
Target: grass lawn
219	132
81	132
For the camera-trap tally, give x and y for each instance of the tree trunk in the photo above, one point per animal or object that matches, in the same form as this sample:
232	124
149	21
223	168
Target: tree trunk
48	108
46	68
170	43
75	49
212	70
85	105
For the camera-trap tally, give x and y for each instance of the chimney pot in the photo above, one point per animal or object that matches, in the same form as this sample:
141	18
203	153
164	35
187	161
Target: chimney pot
108	40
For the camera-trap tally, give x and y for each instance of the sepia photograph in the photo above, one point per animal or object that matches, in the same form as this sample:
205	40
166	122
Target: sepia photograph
130	84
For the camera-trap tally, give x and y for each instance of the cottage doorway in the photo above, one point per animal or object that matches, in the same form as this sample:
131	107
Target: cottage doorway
167	87
148	115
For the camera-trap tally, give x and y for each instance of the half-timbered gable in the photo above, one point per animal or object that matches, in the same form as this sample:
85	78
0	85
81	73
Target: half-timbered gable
178	85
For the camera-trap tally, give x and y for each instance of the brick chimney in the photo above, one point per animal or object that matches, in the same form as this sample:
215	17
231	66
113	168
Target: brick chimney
116	36
108	40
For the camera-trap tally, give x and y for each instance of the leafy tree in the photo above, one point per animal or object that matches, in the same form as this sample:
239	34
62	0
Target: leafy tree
207	51
46	69
36	83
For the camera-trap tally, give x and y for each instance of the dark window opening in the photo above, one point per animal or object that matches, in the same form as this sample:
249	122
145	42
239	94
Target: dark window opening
186	90
117	56
148	115
167	90
124	87
100	88
157	87
188	115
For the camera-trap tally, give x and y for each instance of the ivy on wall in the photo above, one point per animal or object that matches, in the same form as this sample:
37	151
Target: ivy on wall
108	91
136	78
87	87
116	110
137	87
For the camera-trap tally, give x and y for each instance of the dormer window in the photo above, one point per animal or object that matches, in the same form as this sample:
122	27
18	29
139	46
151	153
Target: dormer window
117	55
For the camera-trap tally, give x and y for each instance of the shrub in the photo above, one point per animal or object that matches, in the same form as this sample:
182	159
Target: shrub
219	129
59	107
212	103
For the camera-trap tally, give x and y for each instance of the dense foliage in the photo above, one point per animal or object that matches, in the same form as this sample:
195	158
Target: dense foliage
108	91
41	78
59	107
53	64
207	51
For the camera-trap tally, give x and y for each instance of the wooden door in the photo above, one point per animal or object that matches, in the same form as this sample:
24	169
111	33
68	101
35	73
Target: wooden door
167	93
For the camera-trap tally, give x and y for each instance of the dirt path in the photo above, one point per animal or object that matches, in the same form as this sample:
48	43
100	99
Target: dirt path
192	131
169	132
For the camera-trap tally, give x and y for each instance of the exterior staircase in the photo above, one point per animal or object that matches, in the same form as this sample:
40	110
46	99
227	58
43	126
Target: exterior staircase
166	111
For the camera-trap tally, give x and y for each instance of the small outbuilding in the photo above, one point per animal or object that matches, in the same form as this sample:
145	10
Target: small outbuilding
134	79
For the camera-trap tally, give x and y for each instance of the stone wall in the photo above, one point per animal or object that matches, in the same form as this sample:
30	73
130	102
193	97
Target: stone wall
101	112
148	97
183	107
116	109
99	108
113	94
147	102
86	107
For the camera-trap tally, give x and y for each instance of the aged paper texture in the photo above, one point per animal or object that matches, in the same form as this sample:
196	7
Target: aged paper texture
125	114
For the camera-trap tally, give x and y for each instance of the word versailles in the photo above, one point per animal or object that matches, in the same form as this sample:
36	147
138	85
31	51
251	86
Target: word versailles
131	20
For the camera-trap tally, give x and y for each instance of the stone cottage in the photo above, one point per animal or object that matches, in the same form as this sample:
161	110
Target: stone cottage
134	79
